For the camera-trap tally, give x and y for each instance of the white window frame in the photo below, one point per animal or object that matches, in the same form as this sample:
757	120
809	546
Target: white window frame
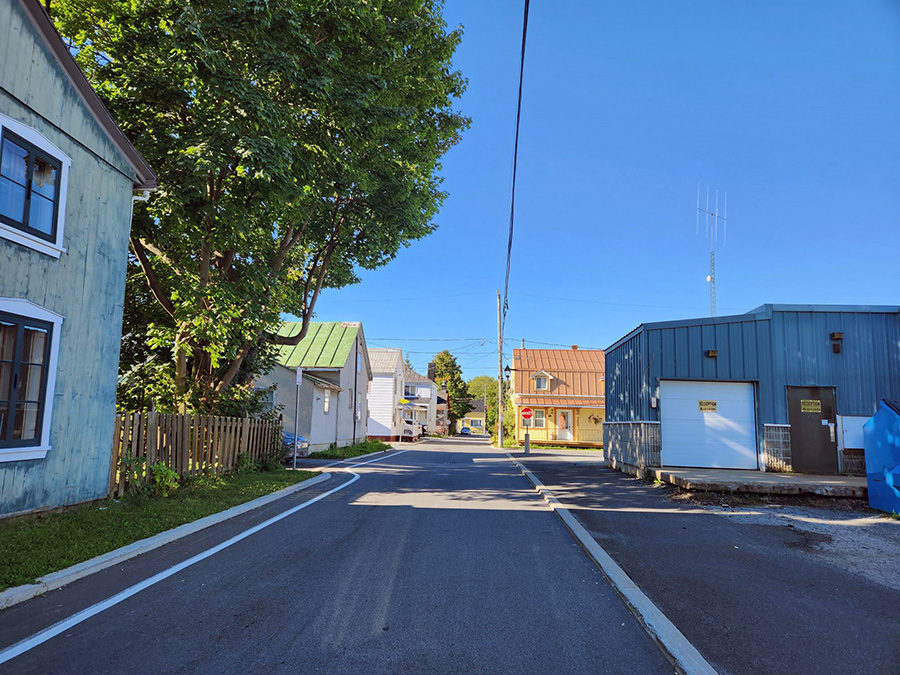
29	310
52	248
545	378
476	422
542	418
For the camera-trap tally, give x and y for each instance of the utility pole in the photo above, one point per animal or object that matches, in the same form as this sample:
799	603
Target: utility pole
499	373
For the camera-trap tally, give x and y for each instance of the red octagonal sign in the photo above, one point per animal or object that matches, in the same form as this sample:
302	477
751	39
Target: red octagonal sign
527	413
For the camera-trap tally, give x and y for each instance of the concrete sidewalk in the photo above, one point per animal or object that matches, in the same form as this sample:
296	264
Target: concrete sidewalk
758	482
756	590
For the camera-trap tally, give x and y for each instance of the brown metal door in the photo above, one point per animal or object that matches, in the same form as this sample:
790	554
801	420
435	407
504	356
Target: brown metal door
813	430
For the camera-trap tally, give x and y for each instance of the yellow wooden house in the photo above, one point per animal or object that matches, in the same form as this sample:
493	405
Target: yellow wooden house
565	389
474	420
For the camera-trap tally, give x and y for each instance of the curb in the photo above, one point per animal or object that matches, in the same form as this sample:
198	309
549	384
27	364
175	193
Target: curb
772	488
676	647
16	594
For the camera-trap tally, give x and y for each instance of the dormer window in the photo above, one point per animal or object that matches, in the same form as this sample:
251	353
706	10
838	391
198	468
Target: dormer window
541	383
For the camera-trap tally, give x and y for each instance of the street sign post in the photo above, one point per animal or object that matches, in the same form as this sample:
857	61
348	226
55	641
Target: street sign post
527	414
297	416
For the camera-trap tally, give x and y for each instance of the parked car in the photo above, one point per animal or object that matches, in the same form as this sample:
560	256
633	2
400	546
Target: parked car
287	443
465	431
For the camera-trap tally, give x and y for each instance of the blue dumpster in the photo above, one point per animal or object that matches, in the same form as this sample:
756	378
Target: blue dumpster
882	439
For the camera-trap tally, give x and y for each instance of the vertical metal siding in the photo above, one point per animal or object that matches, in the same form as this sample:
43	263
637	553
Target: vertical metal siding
866	370
627	396
788	348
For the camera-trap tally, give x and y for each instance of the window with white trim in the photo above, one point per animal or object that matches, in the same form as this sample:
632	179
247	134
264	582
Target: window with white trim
327	401
33	178
29	337
266	399
540	420
541	383
29	187
475	422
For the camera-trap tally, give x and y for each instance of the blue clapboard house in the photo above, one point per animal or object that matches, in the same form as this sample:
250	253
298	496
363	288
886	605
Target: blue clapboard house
67	178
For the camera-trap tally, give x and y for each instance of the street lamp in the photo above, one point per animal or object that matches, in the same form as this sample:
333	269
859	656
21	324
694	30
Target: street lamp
507	371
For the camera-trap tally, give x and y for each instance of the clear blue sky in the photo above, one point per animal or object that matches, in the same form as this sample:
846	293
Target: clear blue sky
792	107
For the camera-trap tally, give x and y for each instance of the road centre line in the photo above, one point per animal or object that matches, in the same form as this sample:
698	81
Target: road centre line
677	648
48	633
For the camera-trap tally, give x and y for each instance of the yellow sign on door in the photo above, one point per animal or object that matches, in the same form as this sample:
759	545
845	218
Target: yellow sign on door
810	405
707	406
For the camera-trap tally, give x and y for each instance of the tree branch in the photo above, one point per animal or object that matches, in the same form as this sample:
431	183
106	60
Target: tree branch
150	274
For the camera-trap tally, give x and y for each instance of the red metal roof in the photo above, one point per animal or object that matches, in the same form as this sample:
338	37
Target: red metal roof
574	372
561	401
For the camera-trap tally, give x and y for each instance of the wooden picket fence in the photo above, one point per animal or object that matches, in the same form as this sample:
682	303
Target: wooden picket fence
190	444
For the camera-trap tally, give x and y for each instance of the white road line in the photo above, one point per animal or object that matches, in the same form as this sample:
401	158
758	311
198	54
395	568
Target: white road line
674	644
48	633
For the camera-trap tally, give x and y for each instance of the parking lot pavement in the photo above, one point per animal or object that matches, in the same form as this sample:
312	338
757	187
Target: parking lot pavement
755	589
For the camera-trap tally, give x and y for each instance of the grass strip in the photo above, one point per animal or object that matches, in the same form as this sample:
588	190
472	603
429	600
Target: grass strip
348	451
29	549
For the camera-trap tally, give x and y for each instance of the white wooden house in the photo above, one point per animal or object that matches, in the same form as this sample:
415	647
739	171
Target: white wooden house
385	392
421	393
334	363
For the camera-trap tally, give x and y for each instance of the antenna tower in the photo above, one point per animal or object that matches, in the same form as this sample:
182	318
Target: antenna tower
712	219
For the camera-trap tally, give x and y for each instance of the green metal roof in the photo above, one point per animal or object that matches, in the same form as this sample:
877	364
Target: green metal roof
326	345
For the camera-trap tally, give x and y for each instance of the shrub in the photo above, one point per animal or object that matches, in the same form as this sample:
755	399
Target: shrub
246	464
165	479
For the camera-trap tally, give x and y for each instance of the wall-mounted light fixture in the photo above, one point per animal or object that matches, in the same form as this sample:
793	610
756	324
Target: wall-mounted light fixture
836	337
712	353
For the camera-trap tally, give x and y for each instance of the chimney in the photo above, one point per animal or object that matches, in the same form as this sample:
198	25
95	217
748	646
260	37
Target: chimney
574	347
431	371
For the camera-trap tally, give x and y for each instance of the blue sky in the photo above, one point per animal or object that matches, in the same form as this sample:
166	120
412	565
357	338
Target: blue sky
793	108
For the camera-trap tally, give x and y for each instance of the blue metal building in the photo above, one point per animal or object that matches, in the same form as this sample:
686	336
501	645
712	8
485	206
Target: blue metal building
783	387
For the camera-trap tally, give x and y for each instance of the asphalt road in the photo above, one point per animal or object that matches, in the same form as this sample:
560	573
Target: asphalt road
753	594
440	560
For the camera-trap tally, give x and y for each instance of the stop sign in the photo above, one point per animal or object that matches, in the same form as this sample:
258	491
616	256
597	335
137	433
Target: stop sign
527	413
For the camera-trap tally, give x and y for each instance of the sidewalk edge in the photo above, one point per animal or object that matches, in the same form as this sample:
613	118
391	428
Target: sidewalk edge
16	594
677	648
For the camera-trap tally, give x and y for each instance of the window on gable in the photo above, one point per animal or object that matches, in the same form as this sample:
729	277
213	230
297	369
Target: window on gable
29	187
541	383
24	357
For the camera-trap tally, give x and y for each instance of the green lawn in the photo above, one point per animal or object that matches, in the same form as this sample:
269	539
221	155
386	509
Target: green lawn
348	451
32	548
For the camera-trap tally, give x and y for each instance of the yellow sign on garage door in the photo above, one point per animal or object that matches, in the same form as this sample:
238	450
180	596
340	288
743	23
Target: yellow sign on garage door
708	406
810	405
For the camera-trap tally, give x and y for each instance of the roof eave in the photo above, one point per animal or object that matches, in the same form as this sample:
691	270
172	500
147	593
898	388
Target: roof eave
145	177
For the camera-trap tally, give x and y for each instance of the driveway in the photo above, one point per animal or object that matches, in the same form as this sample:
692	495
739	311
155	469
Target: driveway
756	589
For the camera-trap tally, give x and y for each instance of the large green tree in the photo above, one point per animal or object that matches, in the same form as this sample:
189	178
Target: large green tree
485	386
295	143
447	370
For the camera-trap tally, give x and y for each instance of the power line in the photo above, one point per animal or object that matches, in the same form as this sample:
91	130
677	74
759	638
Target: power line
512	206
417	297
606	302
482	340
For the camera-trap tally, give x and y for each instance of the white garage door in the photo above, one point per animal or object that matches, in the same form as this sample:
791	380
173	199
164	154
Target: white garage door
707	424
